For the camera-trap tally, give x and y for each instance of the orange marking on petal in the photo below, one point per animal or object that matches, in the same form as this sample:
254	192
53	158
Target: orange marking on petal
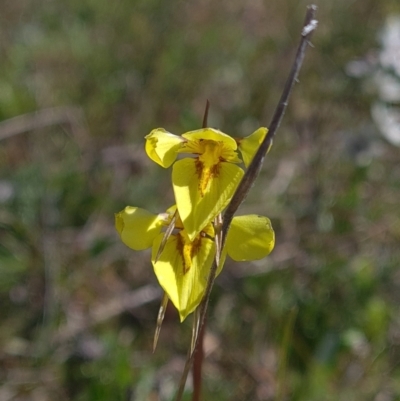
188	250
206	175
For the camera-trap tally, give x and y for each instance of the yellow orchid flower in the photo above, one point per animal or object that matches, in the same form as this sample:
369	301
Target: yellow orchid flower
203	184
183	266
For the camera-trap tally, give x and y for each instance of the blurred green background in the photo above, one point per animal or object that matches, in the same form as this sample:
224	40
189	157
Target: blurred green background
81	83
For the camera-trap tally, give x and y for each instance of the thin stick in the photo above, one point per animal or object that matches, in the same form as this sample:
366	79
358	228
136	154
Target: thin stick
198	357
107	310
167	234
205	117
39	119
254	168
310	24
160	319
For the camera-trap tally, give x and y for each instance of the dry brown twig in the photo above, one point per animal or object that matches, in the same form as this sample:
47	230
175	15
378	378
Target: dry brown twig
71	115
107	310
310	24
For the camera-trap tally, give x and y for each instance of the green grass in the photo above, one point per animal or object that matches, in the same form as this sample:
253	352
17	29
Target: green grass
114	71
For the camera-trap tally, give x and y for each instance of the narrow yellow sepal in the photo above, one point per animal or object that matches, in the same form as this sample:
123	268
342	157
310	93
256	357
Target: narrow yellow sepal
183	272
250	237
248	146
162	146
137	227
198	202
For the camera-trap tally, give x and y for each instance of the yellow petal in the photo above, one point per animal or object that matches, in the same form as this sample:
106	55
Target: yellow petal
162	146
211	152
212	134
137	227
248	146
250	237
182	270
200	197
